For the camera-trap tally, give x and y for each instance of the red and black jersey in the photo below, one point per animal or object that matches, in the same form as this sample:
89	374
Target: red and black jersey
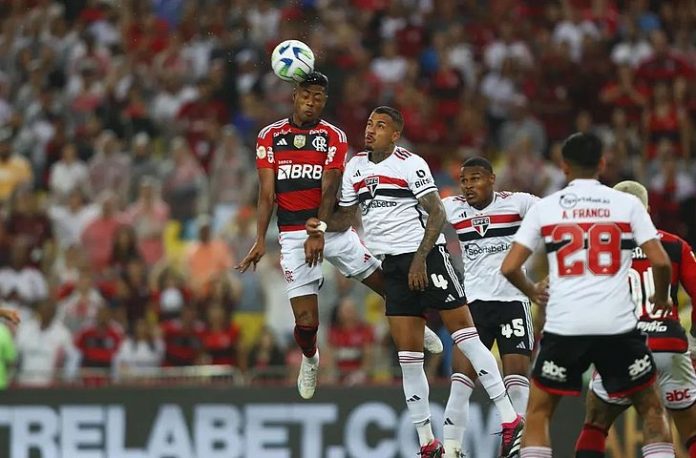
98	346
298	157
665	334
349	346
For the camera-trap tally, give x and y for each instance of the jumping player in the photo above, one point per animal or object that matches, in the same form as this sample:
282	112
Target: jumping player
666	338
589	232
403	217
485	222
300	161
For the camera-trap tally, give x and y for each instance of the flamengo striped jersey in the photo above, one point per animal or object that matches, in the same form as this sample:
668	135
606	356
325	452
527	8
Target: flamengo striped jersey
589	232
388	194
485	237
664	334
299	156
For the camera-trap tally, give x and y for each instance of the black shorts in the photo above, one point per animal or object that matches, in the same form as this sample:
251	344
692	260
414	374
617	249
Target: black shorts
509	323
444	290
624	362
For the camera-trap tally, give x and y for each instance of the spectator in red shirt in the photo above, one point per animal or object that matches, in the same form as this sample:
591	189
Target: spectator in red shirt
183	339
221	338
98	237
665	64
99	342
350	343
200	119
665	122
626	93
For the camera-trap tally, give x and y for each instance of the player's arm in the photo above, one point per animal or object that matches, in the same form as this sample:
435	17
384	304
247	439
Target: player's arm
344	217
418	272
662	273
264	211
526	238
314	245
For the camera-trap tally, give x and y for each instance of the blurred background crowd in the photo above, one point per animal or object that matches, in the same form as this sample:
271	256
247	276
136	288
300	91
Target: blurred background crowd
127	178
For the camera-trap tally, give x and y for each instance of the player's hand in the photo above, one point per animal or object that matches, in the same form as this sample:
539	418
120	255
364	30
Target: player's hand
418	274
10	315
314	249
540	293
254	256
312	225
661	308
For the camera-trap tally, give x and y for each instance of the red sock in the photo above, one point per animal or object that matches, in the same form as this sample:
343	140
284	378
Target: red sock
591	442
306	338
691	446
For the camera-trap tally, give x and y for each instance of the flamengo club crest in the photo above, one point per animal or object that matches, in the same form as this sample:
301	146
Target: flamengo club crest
480	224
371	183
299	141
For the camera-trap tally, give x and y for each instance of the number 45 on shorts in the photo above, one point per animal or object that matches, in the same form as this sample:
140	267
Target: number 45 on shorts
515	327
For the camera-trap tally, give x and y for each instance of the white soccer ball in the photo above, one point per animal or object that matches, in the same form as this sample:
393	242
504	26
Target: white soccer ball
292	60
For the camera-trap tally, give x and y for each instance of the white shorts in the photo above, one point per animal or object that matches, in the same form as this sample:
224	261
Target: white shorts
676	379
342	249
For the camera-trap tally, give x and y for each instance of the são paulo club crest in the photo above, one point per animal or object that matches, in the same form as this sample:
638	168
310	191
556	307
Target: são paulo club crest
372	183
480	224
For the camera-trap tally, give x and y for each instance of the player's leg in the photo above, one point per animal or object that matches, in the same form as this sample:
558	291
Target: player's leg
557	372
463	381
303	284
406	326
515	337
345	251
536	441
677	382
600	413
630	371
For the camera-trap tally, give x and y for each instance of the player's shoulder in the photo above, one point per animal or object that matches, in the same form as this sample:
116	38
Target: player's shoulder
337	131
280	124
357	160
452	202
517	197
407	156
671	238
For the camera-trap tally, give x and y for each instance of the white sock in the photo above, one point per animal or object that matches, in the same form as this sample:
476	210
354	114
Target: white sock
457	411
417	390
314	360
536	452
518	389
658	450
482	359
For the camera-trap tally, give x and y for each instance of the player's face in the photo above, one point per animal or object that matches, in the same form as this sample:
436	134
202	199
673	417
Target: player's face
476	184
380	132
309	103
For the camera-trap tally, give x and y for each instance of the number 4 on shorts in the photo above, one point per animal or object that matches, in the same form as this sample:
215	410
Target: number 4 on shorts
439	281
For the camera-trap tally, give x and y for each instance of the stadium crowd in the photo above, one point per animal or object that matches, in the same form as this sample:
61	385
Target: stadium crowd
127	131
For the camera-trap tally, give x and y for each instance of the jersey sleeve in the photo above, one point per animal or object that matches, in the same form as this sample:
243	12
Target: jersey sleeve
687	272
641	224
348	194
529	233
264	151
449	203
419	178
337	151
527	201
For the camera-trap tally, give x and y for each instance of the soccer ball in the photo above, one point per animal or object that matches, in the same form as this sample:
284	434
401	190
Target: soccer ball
292	60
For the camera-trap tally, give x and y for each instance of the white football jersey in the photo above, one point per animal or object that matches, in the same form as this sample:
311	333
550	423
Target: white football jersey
388	194
485	237
588	230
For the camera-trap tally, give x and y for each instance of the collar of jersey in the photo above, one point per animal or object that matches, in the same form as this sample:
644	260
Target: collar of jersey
495	197
584	181
305	127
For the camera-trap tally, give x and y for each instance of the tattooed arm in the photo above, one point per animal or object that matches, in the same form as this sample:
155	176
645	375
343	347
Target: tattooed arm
418	273
341	220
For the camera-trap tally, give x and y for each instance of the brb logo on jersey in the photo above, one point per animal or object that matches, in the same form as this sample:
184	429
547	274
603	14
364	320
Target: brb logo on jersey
372	183
296	171
480	224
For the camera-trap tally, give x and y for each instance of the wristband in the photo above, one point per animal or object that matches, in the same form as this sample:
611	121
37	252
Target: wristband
321	227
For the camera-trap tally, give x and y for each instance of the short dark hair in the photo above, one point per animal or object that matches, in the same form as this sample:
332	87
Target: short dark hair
582	150
316	78
478	161
393	113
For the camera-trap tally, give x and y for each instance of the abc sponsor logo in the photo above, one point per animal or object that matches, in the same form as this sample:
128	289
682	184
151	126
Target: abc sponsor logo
678	395
553	371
